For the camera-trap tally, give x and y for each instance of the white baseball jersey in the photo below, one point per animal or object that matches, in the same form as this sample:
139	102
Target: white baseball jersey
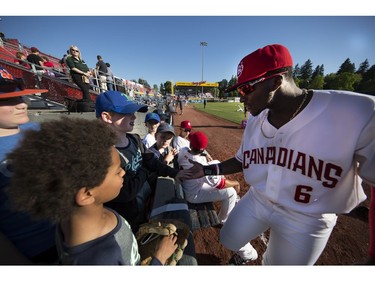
311	163
193	186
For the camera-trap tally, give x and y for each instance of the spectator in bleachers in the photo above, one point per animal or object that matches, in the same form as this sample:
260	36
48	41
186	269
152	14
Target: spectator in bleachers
35	59
63	62
101	67
50	66
35	239
21	60
79	71
109	77
47	62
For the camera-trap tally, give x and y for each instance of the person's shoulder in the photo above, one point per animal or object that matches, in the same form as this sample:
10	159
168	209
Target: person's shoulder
30	126
134	136
184	150
346	98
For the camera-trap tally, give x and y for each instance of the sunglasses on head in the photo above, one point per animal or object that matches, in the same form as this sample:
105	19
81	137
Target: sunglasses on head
248	88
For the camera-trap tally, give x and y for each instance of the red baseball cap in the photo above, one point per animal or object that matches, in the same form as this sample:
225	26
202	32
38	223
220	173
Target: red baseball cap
34	49
261	61
198	140
186	125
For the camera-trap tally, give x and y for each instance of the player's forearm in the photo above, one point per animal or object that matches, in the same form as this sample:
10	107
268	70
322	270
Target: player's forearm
231	166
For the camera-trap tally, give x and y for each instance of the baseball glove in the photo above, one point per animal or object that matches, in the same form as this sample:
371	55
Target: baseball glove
150	233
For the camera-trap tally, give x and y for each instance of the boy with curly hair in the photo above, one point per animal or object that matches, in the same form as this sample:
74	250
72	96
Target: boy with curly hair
65	172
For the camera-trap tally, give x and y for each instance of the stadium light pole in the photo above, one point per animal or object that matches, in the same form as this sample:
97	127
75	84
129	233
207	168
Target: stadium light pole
203	44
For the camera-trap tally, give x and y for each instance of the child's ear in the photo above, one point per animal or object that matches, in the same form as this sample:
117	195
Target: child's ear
106	117
84	197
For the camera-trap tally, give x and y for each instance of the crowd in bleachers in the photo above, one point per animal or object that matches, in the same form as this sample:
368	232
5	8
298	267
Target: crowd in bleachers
46	66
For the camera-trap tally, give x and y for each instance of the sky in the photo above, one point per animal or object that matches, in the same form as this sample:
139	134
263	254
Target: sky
160	47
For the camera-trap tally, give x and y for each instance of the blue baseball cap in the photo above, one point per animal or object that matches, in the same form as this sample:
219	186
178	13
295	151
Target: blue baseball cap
113	101
152	116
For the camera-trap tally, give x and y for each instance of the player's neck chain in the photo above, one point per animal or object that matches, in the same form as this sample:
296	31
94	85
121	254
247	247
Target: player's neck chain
304	93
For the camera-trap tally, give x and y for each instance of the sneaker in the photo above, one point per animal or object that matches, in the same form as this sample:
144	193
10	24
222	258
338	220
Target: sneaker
237	260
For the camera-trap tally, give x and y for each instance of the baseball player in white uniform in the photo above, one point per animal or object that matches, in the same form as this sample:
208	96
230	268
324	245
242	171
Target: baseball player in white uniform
304	153
209	188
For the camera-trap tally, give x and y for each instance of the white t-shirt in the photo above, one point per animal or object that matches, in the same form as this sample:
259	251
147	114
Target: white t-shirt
149	140
180	142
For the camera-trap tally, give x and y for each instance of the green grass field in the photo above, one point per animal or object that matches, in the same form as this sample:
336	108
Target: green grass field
225	110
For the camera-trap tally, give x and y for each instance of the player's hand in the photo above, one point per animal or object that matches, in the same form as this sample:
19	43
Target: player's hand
196	170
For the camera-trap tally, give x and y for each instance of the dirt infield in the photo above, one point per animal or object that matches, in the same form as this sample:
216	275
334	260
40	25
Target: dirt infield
348	243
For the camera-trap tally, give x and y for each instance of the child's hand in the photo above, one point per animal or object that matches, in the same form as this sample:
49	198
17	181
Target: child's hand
169	157
166	248
174	151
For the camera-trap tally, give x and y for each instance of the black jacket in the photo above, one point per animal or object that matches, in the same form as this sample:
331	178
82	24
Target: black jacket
126	203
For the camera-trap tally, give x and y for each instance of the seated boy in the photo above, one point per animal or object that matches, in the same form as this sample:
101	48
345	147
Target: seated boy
208	188
65	172
152	122
162	148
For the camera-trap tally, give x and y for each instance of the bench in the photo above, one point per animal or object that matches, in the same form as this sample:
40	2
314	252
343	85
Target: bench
203	215
169	203
169	197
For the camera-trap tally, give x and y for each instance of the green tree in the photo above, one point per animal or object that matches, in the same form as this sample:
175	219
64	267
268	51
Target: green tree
233	80
305	74
168	87
155	88
343	81
367	84
363	67
317	82
162	90
346	66
296	71
319	71
223	85
143	82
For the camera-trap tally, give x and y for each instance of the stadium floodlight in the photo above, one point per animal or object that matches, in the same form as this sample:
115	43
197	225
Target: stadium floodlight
203	44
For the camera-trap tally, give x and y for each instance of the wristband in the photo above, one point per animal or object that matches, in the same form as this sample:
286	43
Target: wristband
212	170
